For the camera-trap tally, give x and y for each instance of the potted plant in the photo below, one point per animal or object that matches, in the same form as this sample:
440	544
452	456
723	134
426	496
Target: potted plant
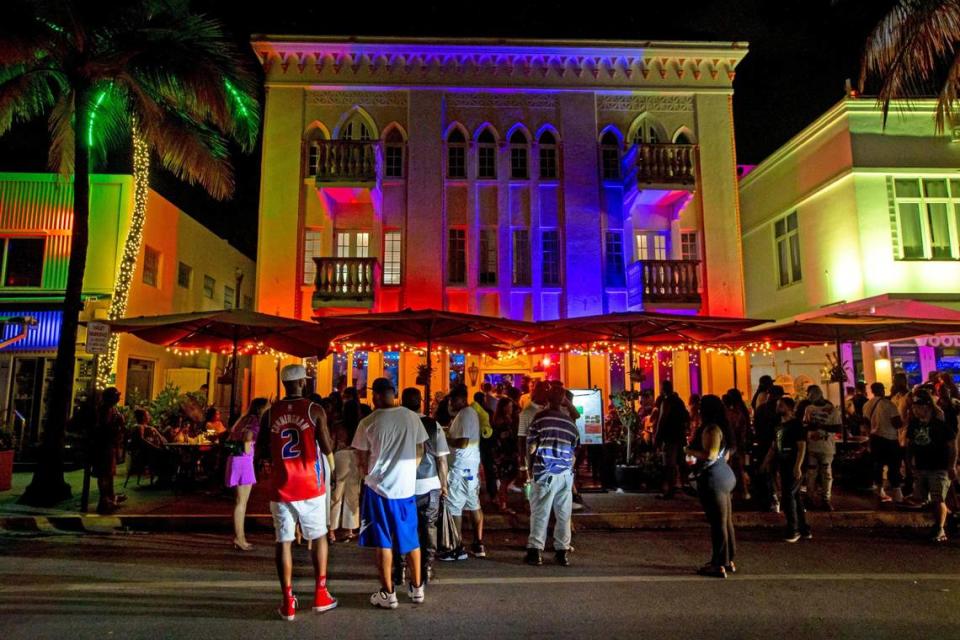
6	460
628	474
423	374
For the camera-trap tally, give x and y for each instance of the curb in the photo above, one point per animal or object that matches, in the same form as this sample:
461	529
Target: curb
635	521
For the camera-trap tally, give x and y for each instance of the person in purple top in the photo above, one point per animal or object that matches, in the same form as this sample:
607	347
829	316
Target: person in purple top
239	470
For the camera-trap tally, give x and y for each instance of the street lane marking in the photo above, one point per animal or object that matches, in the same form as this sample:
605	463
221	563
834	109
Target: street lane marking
194	585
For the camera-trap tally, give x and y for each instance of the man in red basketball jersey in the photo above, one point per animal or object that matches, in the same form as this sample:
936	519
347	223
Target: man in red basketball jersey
295	440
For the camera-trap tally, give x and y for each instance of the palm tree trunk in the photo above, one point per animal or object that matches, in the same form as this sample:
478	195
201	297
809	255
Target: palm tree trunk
48	486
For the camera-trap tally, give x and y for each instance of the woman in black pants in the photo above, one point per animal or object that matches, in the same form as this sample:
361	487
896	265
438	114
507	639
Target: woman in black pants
712	446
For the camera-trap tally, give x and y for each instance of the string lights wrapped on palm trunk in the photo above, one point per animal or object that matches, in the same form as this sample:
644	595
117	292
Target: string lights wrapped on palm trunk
131	249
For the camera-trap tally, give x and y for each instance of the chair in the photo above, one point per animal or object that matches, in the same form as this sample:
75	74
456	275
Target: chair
139	462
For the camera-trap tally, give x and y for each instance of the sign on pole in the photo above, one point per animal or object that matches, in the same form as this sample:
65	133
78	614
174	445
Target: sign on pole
98	338
589	404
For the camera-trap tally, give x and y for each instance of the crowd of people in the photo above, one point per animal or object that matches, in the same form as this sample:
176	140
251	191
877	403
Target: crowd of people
910	434
329	457
388	475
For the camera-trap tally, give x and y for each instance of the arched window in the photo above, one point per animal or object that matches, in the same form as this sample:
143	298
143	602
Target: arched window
682	138
647	131
313	138
356	129
548	156
519	156
393	153
486	155
456	154
610	156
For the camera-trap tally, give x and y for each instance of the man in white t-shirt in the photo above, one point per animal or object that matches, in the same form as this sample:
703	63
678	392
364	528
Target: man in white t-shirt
390	444
463	482
885	424
431	486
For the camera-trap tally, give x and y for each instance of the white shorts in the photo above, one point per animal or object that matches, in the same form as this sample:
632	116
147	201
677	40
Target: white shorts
463	491
311	514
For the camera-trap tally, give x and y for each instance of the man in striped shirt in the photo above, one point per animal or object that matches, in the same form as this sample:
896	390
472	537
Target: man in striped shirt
552	441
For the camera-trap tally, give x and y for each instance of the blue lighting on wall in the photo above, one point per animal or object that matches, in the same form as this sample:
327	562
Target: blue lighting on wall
45	336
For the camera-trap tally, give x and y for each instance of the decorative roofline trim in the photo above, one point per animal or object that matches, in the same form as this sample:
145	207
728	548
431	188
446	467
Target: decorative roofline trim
652	62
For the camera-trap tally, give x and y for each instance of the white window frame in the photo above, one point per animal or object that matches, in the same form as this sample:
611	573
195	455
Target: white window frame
353	244
952	204
312	248
558	257
209	291
650	245
786	238
392	248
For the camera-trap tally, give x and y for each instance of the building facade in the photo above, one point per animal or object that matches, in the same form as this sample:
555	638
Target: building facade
533	180
856	216
182	267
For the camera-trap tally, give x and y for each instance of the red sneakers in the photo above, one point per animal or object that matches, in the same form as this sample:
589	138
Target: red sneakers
288	609
323	601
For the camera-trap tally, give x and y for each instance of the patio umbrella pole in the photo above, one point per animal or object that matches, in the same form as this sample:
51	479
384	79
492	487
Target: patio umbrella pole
589	379
233	385
630	376
426	387
733	358
842	382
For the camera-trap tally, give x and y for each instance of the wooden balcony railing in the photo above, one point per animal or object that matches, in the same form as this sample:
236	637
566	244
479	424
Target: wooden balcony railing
675	281
345	282
669	164
346	161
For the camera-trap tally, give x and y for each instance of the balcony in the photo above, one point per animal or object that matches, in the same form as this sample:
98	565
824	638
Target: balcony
663	282
662	166
346	163
345	282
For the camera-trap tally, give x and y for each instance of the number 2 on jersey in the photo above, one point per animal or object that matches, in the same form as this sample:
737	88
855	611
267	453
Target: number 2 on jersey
291	447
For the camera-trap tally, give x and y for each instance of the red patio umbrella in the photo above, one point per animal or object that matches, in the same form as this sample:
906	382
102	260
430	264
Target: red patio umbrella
229	331
838	328
429	329
633	328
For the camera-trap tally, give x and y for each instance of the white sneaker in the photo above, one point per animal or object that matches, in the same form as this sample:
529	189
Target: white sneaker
415	593
384	600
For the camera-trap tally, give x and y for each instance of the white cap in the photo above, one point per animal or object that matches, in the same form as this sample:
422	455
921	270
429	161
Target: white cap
293	372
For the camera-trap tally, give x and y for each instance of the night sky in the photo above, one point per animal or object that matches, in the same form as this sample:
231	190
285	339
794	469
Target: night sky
801	51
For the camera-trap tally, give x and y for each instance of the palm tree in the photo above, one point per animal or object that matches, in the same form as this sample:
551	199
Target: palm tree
915	53
91	68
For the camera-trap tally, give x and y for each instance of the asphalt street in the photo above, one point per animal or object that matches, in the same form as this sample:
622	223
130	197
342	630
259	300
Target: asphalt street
842	584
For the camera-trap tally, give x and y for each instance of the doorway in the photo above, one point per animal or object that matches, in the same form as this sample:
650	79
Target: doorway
139	380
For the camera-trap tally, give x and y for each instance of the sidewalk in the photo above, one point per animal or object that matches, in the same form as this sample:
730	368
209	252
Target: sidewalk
152	509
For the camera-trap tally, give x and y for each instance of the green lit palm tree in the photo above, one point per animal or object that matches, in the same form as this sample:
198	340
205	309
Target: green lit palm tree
915	52
92	68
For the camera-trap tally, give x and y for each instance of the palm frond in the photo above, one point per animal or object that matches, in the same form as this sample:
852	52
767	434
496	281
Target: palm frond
191	150
191	64
60	126
109	124
26	94
910	52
